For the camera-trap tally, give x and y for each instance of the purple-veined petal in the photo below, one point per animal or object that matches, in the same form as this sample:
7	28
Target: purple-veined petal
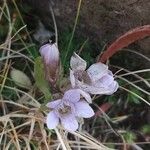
77	63
92	89
107	83
52	120
83	109
69	122
110	73
113	88
104	90
104	82
72	95
85	95
72	79
54	103
97	70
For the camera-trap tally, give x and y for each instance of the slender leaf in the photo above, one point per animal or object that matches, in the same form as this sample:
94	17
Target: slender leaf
126	39
41	83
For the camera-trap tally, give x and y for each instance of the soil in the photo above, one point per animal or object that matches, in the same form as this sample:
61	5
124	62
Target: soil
100	20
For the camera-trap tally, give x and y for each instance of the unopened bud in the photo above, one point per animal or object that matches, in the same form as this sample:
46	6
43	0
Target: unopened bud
50	55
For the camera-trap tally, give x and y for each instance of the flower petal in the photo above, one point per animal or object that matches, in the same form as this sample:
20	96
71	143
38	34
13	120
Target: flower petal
52	120
108	84
96	71
72	95
54	103
113	88
85	95
92	89
105	81
69	123
77	63
72	78
83	109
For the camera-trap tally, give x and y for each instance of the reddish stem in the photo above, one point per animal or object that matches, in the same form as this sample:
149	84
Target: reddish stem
126	39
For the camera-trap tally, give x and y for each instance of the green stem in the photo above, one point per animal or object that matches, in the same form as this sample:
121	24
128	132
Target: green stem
73	31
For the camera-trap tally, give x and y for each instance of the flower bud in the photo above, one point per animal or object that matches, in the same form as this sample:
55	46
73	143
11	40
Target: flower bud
50	55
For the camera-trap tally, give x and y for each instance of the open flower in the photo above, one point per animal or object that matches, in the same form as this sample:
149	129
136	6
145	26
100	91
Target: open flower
50	55
97	79
66	110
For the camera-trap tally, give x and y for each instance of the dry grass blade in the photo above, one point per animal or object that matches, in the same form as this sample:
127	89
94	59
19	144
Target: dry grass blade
5	72
91	141
134	85
17	127
61	139
22	20
136	95
44	134
134	74
15	136
13	103
34	102
74	144
137	53
2	134
19	116
2	9
31	129
15	52
8	145
27	143
18	31
55	25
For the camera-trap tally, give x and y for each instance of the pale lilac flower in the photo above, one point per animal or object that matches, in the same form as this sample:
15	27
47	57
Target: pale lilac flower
50	55
67	109
97	79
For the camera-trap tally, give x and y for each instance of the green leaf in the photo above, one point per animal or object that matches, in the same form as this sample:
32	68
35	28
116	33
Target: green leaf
133	98
146	129
129	137
40	81
33	52
20	79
